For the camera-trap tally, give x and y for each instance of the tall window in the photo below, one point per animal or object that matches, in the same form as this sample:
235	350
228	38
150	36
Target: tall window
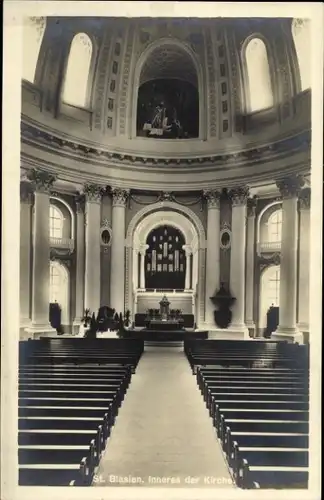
301	34
274	286
270	292
33	32
75	89
258	74
275	226
55	283
56	222
165	260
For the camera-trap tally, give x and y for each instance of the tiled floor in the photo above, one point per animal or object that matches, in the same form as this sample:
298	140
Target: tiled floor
163	434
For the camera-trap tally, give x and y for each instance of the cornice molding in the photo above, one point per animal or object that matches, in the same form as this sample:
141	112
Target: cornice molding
33	135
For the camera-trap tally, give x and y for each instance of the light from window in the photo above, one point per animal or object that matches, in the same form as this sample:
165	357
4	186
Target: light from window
55	283
259	79
75	90
56	222
33	32
301	34
275	226
273	293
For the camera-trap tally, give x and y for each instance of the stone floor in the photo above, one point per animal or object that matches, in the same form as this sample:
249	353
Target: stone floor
163	435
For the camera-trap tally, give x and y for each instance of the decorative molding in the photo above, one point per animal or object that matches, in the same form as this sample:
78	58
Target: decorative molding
225	245
290	187
41	180
93	193
265	260
211	95
69	147
101	82
125	87
80	203
305	199
105	226
239	196
213	198
119	197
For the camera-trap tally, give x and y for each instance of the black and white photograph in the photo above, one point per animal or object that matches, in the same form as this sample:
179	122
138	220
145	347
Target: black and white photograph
162	309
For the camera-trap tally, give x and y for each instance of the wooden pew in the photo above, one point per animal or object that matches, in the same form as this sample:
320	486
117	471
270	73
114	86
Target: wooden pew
273	477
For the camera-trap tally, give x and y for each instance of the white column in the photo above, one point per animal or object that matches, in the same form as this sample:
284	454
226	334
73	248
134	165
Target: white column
142	266
237	261
250	253
26	197
80	264
93	195
117	275
304	261
212	253
188	251
41	253
287	329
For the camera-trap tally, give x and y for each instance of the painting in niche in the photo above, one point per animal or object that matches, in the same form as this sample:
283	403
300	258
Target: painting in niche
168	109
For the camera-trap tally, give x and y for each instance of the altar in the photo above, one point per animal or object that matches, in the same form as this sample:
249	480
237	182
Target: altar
164	319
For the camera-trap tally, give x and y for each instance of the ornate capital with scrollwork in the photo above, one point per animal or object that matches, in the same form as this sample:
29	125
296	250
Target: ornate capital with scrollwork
251	206
93	193
239	196
213	198
143	248
80	203
290	187
187	249
305	199
119	197
41	180
26	193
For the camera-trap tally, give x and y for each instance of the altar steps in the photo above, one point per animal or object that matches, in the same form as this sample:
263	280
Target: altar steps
172	344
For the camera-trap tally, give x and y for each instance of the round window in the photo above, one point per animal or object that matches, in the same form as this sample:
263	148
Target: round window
105	237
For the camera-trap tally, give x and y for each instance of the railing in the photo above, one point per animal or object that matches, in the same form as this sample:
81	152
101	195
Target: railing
163	290
268	246
64	243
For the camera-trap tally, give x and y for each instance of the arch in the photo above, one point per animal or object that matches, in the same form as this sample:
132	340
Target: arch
76	91
269	292
137	75
33	34
300	30
60	289
261	214
180	217
258	83
67	206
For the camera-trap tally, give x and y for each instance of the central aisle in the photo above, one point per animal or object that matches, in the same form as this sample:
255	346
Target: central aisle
163	434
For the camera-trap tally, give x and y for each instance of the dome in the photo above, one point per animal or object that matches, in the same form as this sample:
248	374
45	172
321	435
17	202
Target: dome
182	104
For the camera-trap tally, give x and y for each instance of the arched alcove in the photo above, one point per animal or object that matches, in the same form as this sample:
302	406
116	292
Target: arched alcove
60	209
60	289
263	218
168	92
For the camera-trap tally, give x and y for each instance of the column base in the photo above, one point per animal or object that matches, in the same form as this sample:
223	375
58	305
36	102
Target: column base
233	332
37	331
283	334
303	327
251	327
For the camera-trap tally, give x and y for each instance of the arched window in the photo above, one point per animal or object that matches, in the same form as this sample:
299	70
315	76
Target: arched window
301	34
76	80
274	226
33	32
165	259
258	76
56	222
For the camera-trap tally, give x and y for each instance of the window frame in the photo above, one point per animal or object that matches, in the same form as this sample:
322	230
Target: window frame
52	227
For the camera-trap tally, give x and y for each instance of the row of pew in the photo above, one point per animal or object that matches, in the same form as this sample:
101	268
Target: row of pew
261	414
68	404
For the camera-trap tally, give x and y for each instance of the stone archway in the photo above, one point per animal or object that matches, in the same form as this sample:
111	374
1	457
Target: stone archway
182	218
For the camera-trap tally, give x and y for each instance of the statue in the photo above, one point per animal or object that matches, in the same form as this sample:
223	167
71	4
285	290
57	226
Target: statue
164	308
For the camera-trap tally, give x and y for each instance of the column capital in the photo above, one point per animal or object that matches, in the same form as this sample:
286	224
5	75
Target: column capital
239	196
41	180
80	203
213	198
119	197
142	249
93	193
26	193
305	199
290	187
187	249
251	206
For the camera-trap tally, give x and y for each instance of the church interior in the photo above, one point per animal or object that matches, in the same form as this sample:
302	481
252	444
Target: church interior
165	253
